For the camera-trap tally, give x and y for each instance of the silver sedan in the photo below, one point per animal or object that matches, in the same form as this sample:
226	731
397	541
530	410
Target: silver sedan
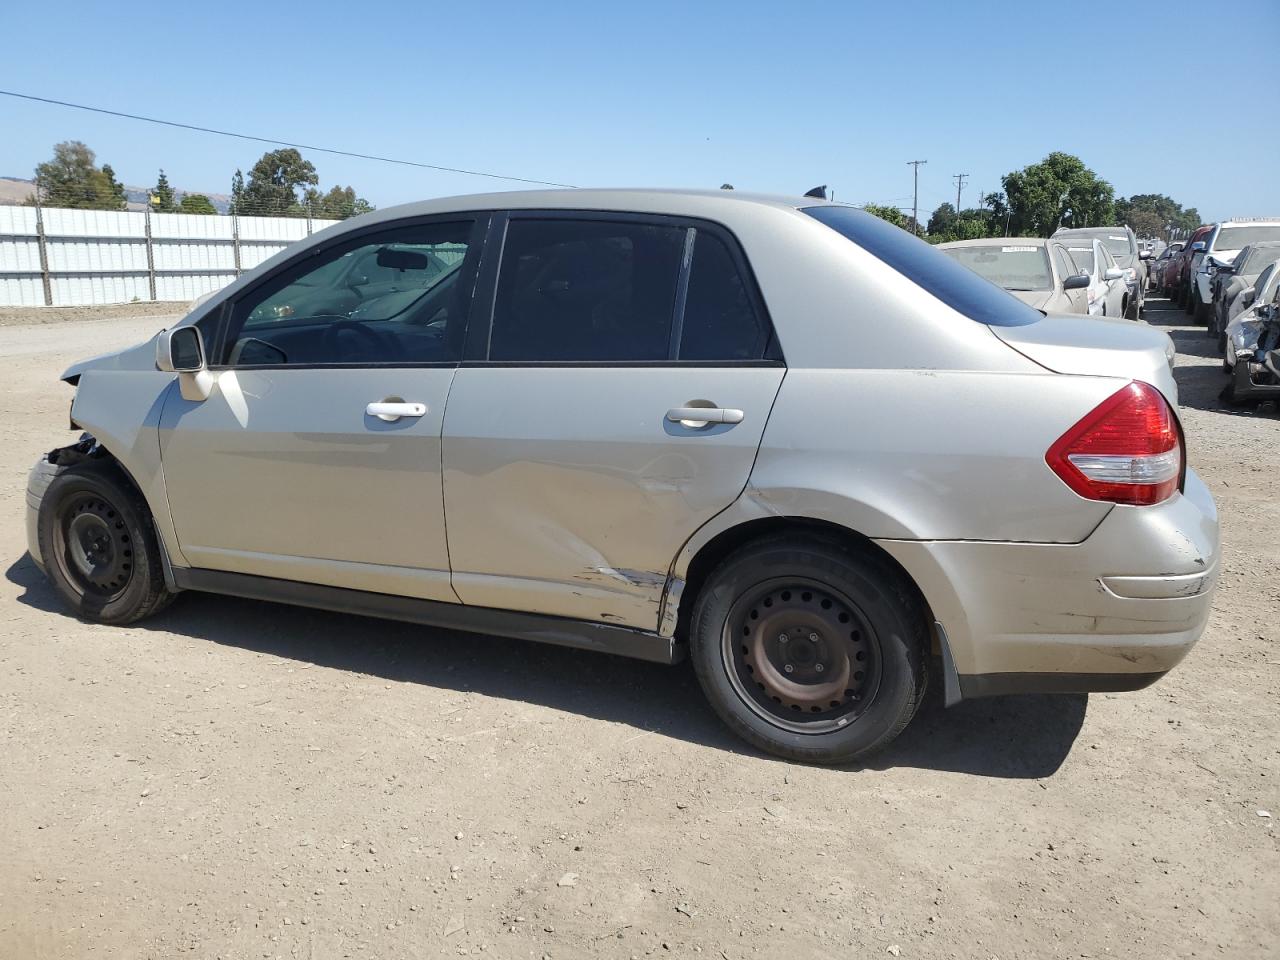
1038	272
778	436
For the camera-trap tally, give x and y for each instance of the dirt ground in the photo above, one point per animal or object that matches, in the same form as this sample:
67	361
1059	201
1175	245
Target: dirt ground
237	779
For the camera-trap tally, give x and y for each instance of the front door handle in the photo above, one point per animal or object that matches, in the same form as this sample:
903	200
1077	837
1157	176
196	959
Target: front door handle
701	416
391	411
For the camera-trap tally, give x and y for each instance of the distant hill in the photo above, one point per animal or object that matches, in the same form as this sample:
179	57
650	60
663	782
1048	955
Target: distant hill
15	190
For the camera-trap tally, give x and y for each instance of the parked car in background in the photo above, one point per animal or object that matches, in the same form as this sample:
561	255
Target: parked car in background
1038	272
1129	257
1159	265
1253	349
1107	289
1241	328
776	435
1180	281
1219	248
1235	282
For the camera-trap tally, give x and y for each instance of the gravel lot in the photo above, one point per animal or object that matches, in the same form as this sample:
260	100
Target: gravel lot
239	779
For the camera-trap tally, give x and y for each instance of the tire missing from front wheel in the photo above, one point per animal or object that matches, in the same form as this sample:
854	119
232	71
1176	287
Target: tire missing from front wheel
809	649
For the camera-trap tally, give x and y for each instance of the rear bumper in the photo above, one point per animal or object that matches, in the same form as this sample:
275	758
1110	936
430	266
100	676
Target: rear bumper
1114	612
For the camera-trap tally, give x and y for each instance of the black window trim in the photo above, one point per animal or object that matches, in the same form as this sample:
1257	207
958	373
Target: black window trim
480	321
220	320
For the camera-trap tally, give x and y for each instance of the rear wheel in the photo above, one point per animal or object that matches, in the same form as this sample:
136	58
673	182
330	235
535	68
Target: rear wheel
809	650
1200	312
99	545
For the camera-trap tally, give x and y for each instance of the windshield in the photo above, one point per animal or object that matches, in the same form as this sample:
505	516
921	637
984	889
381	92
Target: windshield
1233	238
959	288
1118	244
1016	267
1083	257
1257	261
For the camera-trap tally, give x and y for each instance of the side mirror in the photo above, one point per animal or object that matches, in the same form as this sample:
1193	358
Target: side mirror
1144	254
181	351
1198	247
1265	312
1113	273
1077	282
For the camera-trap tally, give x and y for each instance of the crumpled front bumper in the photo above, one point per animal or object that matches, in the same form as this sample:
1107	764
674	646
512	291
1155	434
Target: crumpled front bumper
38	481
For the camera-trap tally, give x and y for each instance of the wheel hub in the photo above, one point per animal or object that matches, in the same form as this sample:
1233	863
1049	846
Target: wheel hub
801	655
96	550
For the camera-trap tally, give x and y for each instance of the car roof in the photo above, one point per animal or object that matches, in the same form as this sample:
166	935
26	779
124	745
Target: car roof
1089	231
995	242
644	200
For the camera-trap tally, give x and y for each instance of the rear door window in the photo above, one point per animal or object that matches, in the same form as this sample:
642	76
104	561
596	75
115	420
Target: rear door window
721	318
586	290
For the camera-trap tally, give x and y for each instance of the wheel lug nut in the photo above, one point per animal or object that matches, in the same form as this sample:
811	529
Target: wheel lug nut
789	668
783	638
819	667
813	638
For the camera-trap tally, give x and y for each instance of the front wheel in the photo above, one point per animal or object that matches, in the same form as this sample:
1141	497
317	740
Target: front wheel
99	545
810	650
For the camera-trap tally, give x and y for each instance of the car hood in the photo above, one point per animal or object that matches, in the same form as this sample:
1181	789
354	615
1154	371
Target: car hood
140	357
1097	346
1034	298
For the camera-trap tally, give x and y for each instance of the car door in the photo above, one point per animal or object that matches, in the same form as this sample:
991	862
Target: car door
614	405
1077	301
316	457
1115	288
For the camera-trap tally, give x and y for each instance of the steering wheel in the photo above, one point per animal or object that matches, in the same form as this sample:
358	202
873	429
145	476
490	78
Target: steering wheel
382	344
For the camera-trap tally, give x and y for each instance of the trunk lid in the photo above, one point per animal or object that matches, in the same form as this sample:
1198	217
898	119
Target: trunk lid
1097	347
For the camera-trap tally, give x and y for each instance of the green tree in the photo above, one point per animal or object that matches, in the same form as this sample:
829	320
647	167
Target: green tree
72	179
196	203
338	204
162	198
116	187
273	183
237	192
1156	214
891	214
941	220
1059	191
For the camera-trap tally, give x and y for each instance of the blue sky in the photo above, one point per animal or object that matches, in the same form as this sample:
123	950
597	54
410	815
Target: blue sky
774	97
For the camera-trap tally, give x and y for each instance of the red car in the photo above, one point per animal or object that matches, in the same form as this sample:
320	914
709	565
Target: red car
1176	274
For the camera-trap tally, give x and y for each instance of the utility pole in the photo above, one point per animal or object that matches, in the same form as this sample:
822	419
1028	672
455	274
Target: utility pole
915	200
959	178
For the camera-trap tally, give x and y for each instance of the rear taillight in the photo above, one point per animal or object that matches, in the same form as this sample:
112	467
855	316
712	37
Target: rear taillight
1126	450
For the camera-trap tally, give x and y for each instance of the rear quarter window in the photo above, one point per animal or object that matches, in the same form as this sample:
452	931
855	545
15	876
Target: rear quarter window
955	285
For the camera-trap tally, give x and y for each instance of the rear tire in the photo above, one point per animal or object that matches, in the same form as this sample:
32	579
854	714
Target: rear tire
810	650
1200	312
99	545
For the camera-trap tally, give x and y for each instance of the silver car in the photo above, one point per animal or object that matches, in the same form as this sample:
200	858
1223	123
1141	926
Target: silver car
1107	290
1129	256
778	436
1038	272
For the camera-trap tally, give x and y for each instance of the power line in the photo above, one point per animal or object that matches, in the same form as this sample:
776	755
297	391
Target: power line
282	143
959	178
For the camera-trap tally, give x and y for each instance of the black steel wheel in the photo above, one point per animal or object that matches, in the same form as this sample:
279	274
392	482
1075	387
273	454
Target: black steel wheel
810	649
801	655
99	546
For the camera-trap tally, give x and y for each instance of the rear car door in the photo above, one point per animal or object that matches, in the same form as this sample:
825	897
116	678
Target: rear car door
614	404
285	470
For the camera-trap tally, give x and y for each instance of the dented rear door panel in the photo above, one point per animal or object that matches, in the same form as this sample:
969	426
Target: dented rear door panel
568	492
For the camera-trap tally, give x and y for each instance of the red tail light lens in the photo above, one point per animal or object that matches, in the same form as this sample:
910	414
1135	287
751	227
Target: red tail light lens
1126	450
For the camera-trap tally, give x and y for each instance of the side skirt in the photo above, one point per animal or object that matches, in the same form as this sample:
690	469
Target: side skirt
585	635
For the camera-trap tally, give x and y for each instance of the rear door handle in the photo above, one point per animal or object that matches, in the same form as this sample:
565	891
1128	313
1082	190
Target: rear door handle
391	411
704	415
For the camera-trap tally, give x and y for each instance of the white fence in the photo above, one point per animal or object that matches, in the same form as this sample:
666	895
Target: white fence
54	257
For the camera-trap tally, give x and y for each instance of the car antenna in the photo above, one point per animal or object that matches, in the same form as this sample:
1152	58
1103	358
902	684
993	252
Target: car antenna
818	193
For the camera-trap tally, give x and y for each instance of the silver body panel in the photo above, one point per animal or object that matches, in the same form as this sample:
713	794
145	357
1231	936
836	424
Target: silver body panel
564	490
